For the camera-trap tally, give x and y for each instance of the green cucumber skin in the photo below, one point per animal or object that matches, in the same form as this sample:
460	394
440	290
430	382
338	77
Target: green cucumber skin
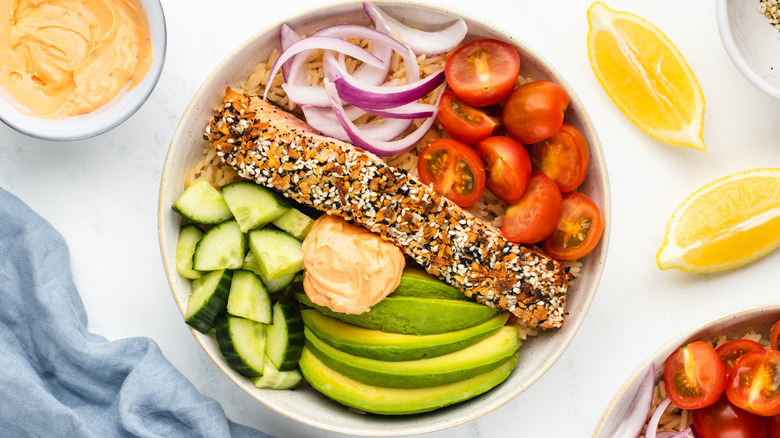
204	318
225	342
292	323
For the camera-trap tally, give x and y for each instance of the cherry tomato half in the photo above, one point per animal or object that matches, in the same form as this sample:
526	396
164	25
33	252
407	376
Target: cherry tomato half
508	167
774	335
536	214
534	111
773	426
563	157
754	383
466	123
483	72
579	230
724	420
733	350
694	376
455	170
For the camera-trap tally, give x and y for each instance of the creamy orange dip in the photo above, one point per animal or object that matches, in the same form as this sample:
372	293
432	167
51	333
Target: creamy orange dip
61	58
347	268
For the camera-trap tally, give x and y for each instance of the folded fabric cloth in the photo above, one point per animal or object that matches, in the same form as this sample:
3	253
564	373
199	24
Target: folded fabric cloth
58	379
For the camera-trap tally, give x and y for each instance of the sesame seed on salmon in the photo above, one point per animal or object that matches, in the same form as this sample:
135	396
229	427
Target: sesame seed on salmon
276	149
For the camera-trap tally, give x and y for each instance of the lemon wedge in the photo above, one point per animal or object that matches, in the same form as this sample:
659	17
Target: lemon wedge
725	224
646	76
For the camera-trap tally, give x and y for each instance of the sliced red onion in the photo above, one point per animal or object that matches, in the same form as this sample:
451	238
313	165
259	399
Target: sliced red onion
652	425
321	42
371	97
288	37
420	41
325	121
361	140
635	417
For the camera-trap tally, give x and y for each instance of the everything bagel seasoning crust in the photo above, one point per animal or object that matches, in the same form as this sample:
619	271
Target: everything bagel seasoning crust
275	149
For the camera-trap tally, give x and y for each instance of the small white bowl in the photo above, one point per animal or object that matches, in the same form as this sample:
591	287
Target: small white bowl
758	319
304	404
107	116
751	42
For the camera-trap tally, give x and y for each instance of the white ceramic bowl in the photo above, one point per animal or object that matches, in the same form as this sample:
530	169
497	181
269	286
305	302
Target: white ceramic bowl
751	42
107	116
734	325
304	404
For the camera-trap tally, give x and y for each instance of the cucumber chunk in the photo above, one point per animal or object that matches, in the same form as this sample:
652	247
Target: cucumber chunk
294	222
242	343
208	299
248	298
277	253
275	379
285	336
189	236
252	205
222	247
272	286
202	203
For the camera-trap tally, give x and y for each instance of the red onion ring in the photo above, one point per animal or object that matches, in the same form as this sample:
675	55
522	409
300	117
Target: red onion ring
652	425
636	416
420	41
325	121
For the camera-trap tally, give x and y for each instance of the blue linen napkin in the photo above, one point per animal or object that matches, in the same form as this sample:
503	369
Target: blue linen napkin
58	379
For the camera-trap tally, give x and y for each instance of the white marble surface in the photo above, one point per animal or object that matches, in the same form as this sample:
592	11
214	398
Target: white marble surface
101	194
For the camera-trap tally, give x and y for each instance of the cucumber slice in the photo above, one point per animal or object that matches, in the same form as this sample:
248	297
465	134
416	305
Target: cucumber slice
208	299
222	247
248	298
189	236
272	286
252	205
294	222
277	253
242	343
285	336
275	379
202	203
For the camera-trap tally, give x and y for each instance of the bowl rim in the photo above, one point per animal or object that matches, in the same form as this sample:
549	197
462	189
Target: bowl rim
739	61
693	333
37	126
597	155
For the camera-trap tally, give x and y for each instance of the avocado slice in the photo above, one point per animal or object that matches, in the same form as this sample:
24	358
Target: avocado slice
379	345
465	363
421	316
397	401
417	283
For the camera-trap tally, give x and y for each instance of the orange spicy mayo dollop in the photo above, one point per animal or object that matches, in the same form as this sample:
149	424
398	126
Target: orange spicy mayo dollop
347	268
61	58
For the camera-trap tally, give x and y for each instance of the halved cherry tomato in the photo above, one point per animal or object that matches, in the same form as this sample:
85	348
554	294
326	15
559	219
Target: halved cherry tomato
536	214
563	157
774	336
508	167
754	383
483	72
733	350
694	376
466	123
724	420
534	111
579	230
455	170
773	426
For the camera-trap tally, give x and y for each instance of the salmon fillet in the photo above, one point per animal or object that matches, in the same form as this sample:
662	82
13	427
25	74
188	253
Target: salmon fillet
275	149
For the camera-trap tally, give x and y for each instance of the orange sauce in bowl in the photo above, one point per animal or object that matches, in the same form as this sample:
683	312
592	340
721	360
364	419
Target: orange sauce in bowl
62	58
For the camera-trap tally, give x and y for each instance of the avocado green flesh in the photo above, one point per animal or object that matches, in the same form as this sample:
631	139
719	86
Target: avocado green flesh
465	363
397	401
417	283
422	316
379	345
